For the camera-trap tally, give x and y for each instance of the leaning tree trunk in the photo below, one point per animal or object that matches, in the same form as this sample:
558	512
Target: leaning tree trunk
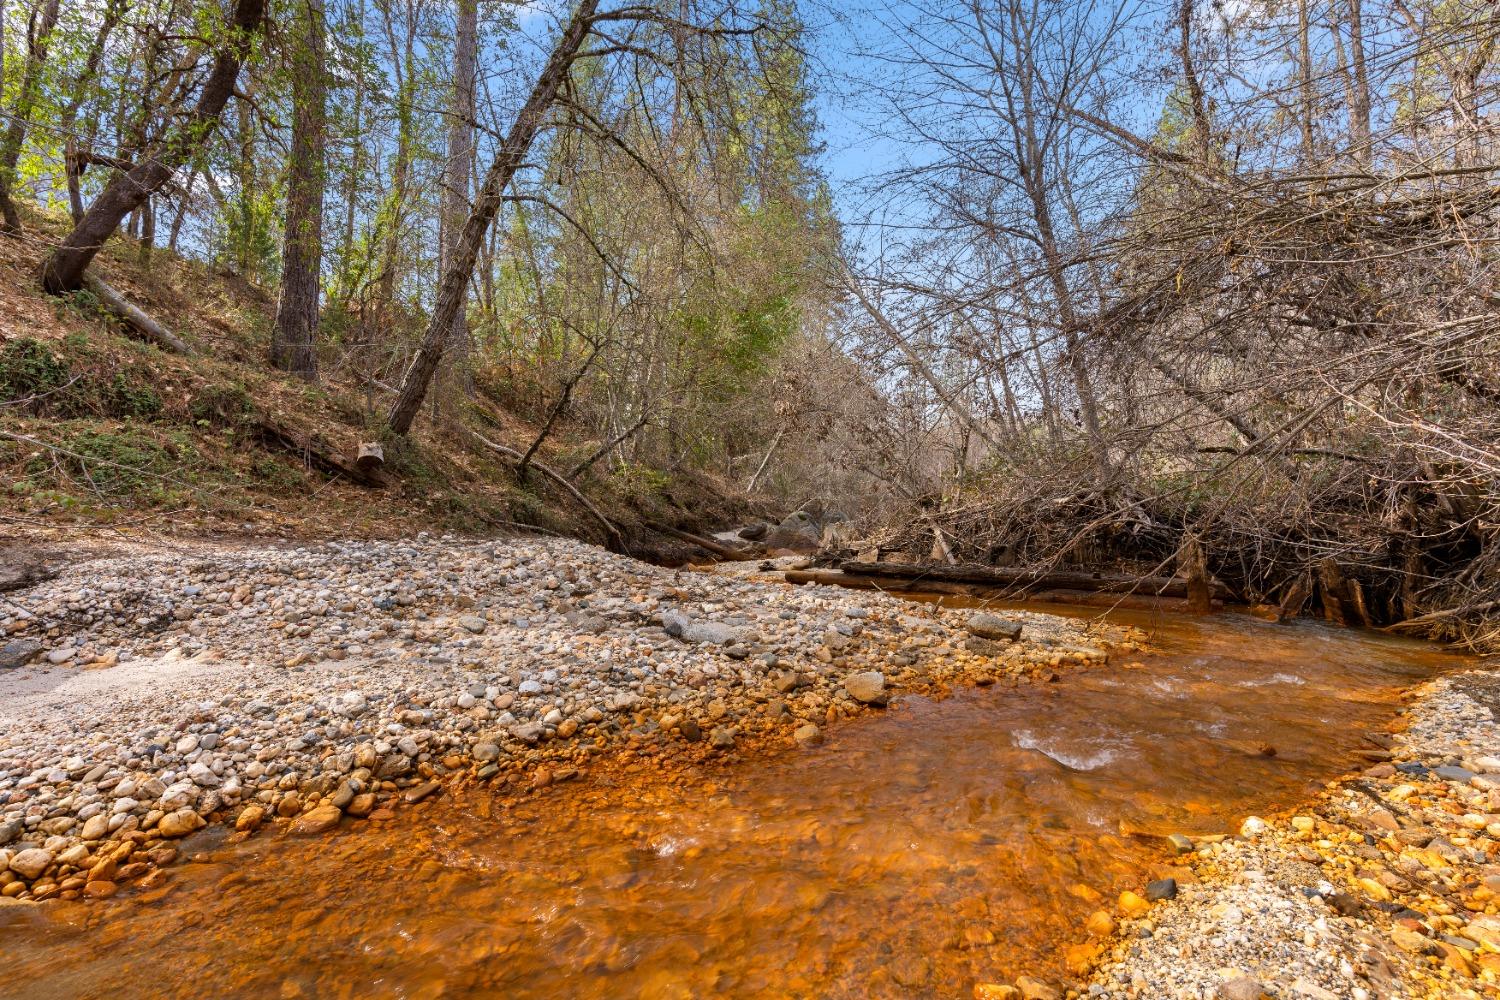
460	265
456	173
63	270
293	339
20	114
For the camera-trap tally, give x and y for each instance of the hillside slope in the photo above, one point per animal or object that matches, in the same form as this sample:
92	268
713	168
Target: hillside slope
99	429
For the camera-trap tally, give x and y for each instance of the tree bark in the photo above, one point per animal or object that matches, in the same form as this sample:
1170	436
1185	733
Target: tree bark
39	34
508	159
1359	107
294	337
63	270
1305	81
1202	133
456	171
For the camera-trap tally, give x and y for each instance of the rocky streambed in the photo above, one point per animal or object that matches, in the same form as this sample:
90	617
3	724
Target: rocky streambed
149	691
1384	887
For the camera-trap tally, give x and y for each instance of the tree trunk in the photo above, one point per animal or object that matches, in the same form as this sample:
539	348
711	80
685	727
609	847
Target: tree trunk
1359	107
1202	133
63	270
457	271
294	338
456	172
20	113
1305	81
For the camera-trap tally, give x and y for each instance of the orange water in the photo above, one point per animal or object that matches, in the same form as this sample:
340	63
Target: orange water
915	853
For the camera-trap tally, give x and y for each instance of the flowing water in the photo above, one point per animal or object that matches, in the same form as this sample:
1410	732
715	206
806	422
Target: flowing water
915	853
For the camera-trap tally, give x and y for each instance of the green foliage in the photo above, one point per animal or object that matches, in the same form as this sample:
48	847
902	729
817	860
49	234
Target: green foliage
129	399
28	368
226	405
119	464
275	473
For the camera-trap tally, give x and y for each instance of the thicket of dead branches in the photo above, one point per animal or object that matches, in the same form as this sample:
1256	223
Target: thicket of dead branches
1269	324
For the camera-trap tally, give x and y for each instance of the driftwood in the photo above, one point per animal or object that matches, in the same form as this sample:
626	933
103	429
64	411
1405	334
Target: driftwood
559	479
907	585
1193	565
133	316
1295	597
995	577
719	549
893	584
1343	600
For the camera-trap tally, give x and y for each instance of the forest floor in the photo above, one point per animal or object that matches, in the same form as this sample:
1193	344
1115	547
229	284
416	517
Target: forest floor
99	430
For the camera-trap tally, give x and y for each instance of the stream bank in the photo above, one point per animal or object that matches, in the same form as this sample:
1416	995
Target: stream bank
147	691
1383	887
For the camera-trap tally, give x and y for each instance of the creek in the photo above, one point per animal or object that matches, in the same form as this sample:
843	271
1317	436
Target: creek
914	853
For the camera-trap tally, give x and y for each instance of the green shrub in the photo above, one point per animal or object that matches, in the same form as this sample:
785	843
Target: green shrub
117	464
227	405
28	368
130	400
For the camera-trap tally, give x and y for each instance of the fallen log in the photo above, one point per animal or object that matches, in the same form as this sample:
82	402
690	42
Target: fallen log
283	438
1002	578
725	552
133	316
904	585
833	578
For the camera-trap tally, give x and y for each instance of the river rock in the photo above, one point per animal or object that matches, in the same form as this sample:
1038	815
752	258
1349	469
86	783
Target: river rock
1035	989
319	820
680	626
18	652
987	625
95	827
250	819
867	687
419	792
808	735
1241	988
1162	888
179	823
30	863
362	805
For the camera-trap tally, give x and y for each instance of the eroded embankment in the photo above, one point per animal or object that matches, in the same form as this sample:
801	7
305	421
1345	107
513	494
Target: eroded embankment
166	689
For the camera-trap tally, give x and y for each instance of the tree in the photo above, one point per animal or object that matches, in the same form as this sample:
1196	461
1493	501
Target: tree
456	170
459	268
293	338
63	270
38	34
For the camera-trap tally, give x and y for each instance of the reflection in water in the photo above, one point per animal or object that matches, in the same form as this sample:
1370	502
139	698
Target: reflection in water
914	854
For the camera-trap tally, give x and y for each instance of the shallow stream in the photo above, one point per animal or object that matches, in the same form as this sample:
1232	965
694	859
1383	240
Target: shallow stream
915	853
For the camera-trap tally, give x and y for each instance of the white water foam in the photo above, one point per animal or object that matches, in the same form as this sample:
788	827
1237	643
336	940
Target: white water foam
1291	679
1073	758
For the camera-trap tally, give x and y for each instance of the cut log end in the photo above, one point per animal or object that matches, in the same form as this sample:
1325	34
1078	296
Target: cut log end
371	457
